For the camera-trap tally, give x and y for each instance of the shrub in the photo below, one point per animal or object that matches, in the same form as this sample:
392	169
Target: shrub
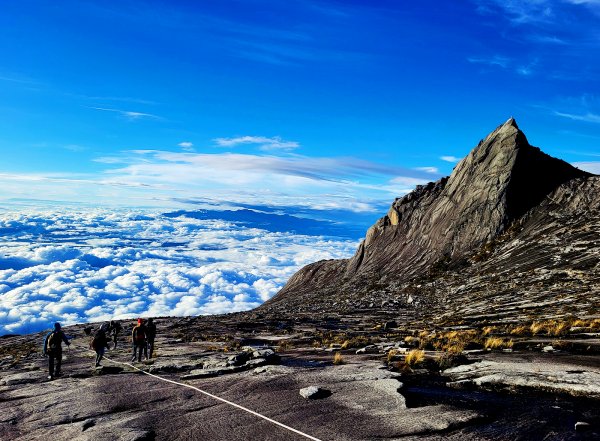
414	357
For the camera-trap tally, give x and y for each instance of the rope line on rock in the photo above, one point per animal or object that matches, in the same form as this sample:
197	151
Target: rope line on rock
245	409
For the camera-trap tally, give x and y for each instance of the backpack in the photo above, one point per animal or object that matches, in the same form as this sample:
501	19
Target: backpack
52	341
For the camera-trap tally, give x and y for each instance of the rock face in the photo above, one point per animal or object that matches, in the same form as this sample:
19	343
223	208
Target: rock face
502	187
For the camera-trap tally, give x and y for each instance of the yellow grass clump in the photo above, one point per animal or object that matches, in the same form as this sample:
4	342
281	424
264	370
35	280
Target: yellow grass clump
488	330
559	328
414	357
520	330
537	327
497	343
337	358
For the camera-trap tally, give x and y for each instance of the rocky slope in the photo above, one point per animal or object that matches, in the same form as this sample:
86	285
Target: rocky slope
370	394
512	233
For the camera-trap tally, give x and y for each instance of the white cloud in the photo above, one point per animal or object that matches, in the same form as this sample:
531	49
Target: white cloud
430	170
92	265
161	178
590	166
187	146
275	143
450	158
588	117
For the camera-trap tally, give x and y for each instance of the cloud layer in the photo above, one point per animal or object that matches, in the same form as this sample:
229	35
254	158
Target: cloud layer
91	265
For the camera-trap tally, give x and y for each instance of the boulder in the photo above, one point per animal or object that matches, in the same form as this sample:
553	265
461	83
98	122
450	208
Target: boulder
314	393
581	426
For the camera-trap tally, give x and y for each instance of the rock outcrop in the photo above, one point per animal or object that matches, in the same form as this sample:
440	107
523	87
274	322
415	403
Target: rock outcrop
504	189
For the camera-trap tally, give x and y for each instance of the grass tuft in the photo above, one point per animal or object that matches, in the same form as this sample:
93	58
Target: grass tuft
337	358
414	357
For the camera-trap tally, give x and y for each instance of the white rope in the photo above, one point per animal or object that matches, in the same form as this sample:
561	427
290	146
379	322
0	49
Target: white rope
218	398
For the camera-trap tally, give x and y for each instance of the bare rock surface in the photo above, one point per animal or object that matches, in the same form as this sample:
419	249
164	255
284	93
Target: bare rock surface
368	398
549	374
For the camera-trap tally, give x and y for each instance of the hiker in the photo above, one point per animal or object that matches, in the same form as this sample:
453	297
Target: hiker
53	350
100	343
150	336
138	336
115	329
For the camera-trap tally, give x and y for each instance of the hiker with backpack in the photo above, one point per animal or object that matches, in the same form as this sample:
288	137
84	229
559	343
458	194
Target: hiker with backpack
53	350
138	336
100	343
150	336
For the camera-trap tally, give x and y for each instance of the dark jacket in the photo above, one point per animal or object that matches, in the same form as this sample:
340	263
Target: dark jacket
54	340
150	331
100	340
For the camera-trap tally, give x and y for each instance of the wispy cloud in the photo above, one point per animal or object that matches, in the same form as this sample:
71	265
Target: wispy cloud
498	61
408	182
588	117
547	39
18	79
123	99
75	148
527	69
519	12
275	143
432	170
128	114
159	178
495	60
593	4
450	158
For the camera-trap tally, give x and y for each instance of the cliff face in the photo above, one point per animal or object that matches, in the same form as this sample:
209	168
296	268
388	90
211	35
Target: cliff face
503	181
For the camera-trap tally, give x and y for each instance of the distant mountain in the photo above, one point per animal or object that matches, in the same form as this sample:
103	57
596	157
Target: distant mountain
511	232
275	222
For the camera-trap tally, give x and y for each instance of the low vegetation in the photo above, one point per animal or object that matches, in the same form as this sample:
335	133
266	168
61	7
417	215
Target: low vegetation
414	357
338	358
498	343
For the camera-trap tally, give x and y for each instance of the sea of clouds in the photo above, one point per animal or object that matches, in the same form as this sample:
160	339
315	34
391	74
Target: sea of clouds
85	265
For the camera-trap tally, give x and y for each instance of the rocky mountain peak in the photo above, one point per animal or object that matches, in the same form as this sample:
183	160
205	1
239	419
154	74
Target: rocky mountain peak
497	182
501	180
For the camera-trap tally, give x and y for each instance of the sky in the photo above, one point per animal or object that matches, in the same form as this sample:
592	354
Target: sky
183	158
320	104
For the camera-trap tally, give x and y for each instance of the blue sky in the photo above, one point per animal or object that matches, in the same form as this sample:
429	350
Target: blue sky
327	105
